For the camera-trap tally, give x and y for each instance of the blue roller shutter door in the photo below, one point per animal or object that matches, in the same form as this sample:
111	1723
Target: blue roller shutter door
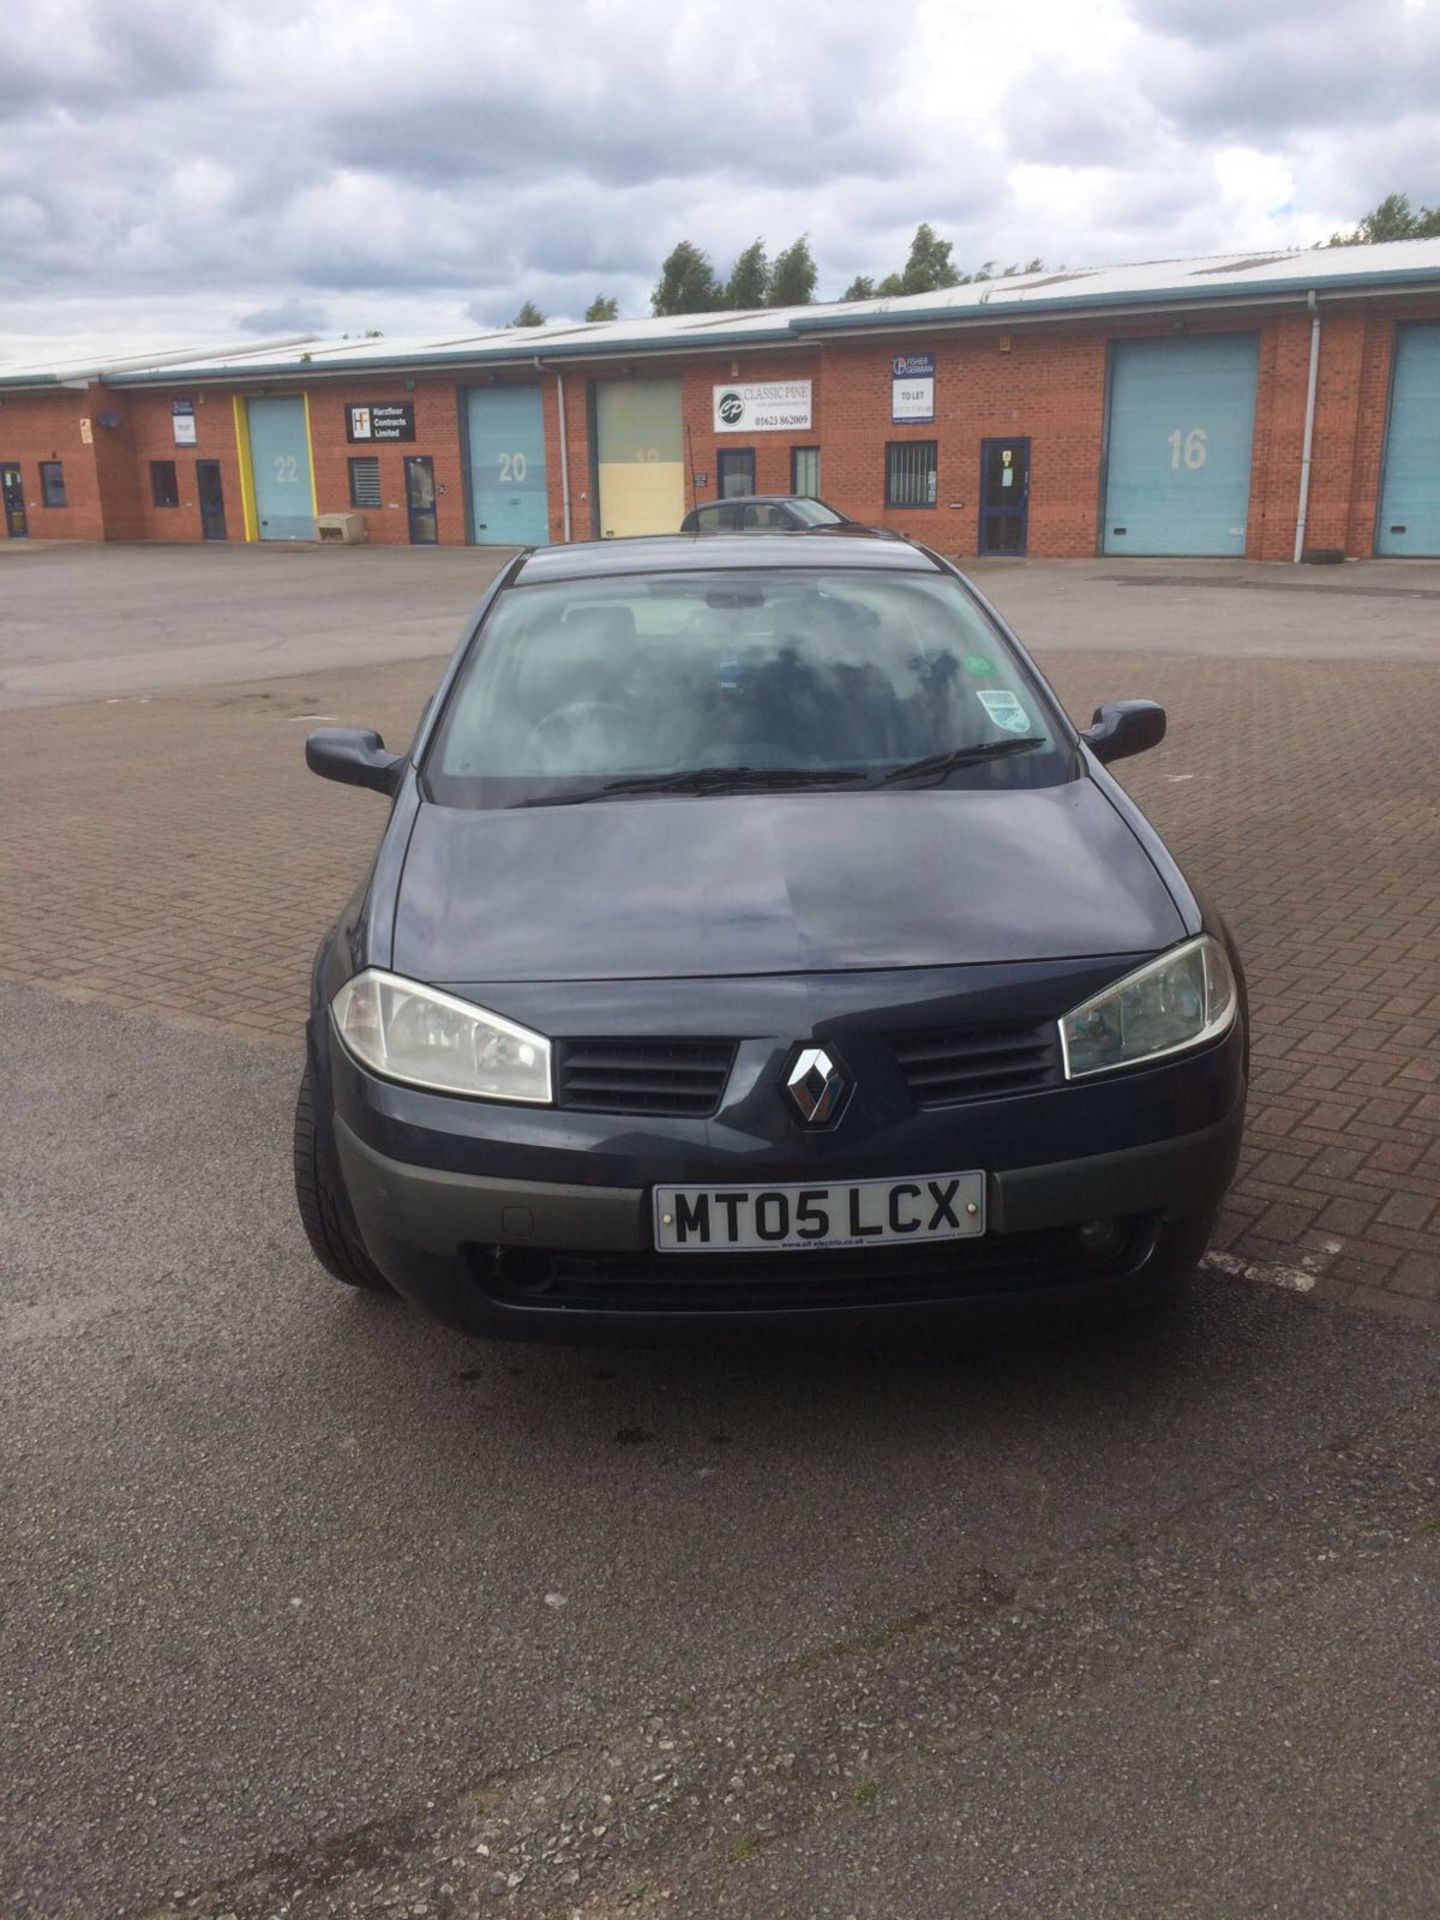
1182	425
280	463
505	428
1410	491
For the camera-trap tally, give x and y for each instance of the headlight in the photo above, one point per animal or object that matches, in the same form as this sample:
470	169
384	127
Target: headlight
1176	1001
426	1038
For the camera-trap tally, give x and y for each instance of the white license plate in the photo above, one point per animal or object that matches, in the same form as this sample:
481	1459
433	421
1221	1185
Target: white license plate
865	1213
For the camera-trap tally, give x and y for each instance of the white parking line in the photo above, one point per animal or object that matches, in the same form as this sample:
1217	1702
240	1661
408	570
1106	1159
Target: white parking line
1293	1279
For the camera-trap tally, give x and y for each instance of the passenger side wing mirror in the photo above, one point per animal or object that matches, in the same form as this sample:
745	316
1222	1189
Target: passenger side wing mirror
355	756
1123	727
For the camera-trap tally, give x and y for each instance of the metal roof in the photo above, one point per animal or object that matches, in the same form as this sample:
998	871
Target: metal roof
79	372
1216	280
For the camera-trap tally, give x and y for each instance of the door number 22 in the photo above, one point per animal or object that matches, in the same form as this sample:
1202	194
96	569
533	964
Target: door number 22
287	469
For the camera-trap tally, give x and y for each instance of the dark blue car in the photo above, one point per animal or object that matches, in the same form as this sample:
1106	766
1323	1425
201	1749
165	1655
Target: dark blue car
754	941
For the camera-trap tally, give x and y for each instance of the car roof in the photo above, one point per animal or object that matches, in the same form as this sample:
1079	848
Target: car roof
761	499
816	549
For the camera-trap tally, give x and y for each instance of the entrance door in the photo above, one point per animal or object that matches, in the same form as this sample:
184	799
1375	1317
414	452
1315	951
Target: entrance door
212	499
1410	493
1004	495
509	506
280	462
420	500
735	472
13	488
1182	423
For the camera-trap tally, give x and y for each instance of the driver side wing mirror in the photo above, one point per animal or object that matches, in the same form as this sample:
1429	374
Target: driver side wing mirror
1123	727
355	756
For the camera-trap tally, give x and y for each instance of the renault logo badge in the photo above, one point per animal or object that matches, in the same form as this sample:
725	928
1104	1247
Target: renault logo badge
818	1086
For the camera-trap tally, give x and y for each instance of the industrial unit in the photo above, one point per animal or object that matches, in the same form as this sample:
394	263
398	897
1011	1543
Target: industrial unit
1269	406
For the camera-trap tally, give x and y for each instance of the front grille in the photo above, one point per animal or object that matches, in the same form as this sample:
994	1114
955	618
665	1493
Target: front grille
644	1076
1011	1263
977	1063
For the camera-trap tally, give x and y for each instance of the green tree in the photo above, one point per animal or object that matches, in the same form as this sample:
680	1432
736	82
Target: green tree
687	283
603	307
929	266
793	276
749	280
529	316
1393	219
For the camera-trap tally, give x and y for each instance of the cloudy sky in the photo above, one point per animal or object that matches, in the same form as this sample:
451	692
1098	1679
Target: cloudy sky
175	171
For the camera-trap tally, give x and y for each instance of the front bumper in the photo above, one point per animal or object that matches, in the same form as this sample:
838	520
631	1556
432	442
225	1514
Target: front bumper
497	1255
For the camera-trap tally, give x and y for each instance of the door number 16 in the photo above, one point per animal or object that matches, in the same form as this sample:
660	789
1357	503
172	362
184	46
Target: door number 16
1187	447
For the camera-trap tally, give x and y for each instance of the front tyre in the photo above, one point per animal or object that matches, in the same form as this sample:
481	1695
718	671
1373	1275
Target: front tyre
320	1198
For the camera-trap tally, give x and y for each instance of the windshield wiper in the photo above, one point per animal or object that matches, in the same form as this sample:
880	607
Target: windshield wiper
714	780
702	780
941	763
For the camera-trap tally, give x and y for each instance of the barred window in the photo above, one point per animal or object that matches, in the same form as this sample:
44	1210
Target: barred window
910	477
164	483
805	471
365	482
52	483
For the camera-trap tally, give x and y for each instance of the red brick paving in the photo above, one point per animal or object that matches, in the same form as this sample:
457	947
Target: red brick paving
174	856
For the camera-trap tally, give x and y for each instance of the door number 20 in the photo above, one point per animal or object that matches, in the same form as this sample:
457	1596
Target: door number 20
513	466
1189	448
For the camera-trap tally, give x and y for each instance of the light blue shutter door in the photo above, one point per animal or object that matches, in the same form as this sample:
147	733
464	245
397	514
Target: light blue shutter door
280	463
1410	491
509	506
1182	422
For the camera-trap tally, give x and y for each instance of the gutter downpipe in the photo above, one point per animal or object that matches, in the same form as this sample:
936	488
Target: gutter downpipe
1308	448
540	367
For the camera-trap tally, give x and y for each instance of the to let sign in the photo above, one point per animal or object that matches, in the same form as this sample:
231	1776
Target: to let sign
912	389
390	420
182	419
763	406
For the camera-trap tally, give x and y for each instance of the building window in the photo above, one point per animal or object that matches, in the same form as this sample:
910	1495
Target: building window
365	483
910	473
164	485
52	483
805	471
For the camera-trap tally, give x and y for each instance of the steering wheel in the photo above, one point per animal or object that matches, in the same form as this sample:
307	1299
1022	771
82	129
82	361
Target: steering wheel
564	725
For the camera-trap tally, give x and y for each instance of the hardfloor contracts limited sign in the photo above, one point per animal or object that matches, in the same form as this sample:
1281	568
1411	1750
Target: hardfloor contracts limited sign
763	406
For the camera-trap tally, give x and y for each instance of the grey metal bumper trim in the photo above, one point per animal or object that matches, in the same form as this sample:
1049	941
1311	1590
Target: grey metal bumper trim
434	1211
1176	1176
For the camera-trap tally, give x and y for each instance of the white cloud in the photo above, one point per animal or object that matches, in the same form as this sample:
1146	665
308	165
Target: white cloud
394	167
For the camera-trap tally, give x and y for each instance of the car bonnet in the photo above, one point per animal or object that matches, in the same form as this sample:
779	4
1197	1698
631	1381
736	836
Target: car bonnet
766	884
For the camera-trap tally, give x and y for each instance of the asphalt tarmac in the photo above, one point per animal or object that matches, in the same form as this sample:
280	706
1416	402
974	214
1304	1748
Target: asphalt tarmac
311	1609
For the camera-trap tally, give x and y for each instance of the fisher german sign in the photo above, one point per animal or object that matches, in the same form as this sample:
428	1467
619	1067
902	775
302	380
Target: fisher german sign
912	389
763	406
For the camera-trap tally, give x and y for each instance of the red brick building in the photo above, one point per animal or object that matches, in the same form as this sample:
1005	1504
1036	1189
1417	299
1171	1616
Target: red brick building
1240	406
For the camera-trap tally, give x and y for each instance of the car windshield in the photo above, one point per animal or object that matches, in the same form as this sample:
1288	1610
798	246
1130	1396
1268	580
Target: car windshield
738	679
815	513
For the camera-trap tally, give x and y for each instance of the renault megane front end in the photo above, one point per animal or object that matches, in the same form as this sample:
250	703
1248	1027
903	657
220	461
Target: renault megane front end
754	942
